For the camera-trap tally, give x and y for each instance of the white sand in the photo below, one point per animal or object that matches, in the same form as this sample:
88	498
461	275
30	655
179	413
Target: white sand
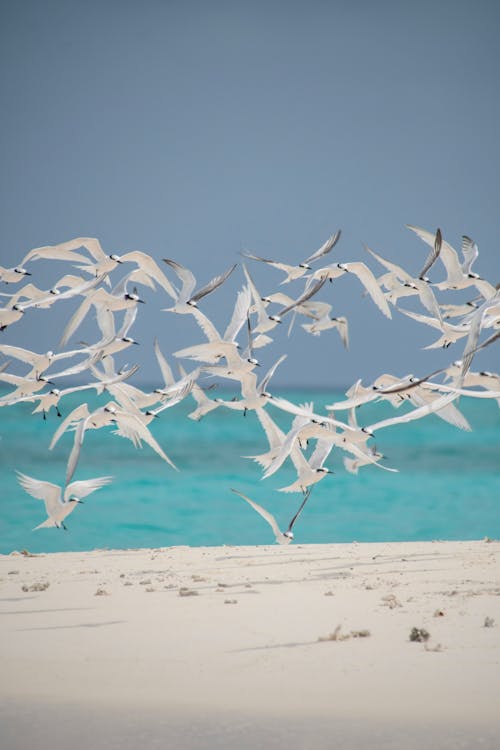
239	664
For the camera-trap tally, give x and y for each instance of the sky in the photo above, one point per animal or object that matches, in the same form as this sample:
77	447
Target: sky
196	130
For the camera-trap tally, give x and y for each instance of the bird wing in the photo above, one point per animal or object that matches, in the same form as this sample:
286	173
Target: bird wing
433	255
325	248
64	250
240	314
304	501
128	321
263	512
282	266
274	434
147	264
212	285
79	413
131	427
321	452
85	487
106	322
370	283
187	278
76	319
418	413
434	322
25	355
206	325
448	254
257	302
267	377
470	251
309	292
166	372
39	489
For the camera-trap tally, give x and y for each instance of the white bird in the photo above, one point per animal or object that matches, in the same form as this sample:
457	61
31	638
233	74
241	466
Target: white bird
254	395
57	504
309	471
450	333
118	299
459	275
402	284
10	315
187	298
13	275
39	362
224	346
325	322
148	271
363	274
282	537
296	272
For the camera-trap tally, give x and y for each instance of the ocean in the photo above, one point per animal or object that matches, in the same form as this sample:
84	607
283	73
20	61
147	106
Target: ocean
447	485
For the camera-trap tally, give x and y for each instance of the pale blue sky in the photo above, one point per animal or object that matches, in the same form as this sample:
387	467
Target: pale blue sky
193	130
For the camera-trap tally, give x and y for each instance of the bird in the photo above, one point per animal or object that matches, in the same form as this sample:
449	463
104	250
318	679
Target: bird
296	272
282	537
219	346
362	273
13	275
400	283
147	272
59	503
187	298
118	299
459	275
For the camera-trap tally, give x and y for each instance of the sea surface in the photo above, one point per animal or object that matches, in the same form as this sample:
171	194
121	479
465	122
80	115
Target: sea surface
447	485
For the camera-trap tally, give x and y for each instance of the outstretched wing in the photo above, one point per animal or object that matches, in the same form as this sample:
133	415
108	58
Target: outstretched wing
263	512
325	248
85	487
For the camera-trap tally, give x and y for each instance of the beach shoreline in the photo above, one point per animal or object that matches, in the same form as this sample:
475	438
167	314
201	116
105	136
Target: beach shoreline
346	641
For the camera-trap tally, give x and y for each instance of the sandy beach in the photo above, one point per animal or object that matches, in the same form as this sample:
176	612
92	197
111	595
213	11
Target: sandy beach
358	645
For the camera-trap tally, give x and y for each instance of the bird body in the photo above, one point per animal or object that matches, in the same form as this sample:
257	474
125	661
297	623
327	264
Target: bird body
59	504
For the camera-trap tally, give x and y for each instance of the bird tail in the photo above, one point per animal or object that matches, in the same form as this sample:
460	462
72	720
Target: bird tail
47	524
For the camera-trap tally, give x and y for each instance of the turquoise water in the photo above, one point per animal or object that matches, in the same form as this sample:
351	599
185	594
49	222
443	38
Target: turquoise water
448	485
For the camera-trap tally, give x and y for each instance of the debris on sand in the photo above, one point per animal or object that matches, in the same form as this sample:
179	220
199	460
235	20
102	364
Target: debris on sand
338	636
419	635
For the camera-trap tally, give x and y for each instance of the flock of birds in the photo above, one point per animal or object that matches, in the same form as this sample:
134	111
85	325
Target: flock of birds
131	410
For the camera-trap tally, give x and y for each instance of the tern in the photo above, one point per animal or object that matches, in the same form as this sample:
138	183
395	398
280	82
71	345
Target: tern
282	537
148	270
58	505
13	275
188	298
118	299
296	272
363	274
459	275
224	346
402	284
